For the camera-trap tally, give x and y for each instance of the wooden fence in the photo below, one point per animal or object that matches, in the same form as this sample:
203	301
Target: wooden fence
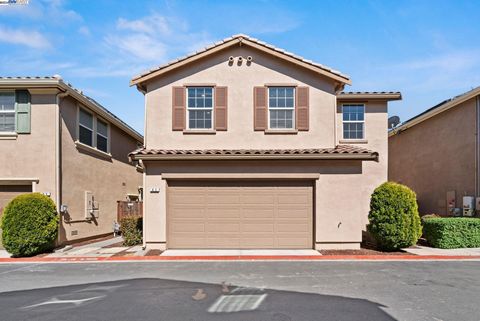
125	208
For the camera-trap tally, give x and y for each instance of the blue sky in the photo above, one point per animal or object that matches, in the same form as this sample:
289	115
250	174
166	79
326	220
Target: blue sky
428	50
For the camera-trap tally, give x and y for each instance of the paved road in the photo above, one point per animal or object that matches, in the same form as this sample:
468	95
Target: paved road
252	291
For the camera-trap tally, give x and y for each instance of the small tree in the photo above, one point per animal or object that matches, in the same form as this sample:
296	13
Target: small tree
394	219
30	225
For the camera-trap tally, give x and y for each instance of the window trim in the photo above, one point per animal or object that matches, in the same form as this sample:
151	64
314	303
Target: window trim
14	112
294	125
187	109
363	139
95	119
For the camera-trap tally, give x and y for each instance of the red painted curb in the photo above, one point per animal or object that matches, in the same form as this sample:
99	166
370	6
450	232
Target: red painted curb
241	258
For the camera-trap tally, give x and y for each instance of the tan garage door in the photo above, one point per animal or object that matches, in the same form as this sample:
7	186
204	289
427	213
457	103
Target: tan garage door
239	215
7	193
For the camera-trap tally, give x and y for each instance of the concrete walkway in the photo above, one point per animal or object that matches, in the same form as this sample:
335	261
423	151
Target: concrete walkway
98	249
425	250
240	253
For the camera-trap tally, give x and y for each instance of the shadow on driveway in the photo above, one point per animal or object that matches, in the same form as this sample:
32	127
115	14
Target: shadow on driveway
169	300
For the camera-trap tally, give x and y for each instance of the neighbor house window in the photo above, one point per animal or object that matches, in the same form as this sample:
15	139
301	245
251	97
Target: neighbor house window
7	111
85	128
353	121
281	107
102	136
199	107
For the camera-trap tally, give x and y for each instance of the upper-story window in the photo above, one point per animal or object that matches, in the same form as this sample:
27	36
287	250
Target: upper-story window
102	136
92	131
200	107
7	111
281	107
85	128
353	121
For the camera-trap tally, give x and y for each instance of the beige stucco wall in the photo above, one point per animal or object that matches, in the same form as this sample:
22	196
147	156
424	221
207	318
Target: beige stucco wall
436	156
343	189
338	218
110	179
240	81
33	155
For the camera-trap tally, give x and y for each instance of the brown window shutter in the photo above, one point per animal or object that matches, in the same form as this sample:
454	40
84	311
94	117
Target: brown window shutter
178	108
302	108
260	108
221	102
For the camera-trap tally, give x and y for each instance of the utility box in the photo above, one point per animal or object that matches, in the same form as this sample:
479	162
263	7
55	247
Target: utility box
468	206
91	206
477	205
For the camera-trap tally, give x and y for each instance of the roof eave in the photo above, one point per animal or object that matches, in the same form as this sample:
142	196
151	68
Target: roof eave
61	85
420	118
371	156
138	80
384	97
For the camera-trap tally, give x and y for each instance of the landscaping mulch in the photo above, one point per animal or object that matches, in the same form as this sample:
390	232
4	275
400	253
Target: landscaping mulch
361	252
118	244
154	252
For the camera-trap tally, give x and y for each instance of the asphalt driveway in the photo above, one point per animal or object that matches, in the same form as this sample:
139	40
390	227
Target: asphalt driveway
251	291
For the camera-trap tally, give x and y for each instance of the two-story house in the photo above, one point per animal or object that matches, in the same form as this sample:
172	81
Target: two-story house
250	146
57	141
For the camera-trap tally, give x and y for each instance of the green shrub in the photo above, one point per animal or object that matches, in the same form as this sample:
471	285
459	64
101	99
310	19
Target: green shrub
428	216
131	228
30	225
452	232
393	217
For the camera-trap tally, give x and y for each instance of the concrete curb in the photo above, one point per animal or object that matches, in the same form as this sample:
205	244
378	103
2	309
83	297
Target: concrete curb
243	258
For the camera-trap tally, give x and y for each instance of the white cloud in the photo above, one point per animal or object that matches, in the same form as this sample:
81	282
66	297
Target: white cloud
53	11
84	30
153	24
152	39
141	46
29	38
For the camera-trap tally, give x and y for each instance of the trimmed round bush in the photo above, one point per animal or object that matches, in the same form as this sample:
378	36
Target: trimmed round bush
30	225
394	219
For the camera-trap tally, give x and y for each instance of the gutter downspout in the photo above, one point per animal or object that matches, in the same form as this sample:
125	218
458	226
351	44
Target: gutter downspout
58	133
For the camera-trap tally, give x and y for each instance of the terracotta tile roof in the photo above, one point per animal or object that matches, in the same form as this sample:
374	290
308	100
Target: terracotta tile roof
340	150
239	36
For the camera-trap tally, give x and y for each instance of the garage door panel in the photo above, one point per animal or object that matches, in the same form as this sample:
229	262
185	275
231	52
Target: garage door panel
258	199
187	212
294	213
222	242
223	212
260	212
180	197
253	242
222	227
292	227
186	226
222	198
258	227
240	215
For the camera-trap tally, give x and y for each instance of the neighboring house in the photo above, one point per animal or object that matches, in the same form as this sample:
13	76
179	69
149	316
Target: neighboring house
249	146
436	153
59	142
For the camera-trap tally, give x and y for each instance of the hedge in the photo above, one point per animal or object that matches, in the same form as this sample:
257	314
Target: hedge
394	221
452	232
132	231
30	225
